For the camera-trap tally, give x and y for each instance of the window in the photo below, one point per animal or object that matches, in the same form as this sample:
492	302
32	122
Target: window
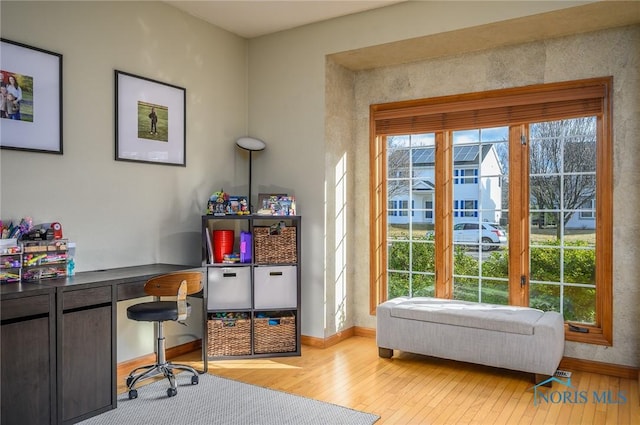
465	176
516	180
588	210
428	214
466	208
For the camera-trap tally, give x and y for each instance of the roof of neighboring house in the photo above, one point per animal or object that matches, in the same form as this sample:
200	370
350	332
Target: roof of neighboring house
425	184
461	155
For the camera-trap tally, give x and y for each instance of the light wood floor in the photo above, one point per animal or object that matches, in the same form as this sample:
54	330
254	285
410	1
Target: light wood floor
413	389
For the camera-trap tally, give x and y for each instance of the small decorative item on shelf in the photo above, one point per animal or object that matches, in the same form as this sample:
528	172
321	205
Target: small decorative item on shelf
11	231
231	258
237	205
276	204
217	204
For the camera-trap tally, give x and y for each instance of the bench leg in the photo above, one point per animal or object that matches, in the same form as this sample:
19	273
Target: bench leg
385	353
539	378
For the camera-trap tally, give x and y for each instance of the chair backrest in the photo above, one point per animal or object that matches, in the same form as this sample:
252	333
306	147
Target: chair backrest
179	285
167	285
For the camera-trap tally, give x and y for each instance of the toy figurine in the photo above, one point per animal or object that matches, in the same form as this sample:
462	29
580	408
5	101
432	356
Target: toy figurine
217	204
244	207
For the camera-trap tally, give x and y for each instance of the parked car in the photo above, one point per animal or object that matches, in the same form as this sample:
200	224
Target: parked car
491	236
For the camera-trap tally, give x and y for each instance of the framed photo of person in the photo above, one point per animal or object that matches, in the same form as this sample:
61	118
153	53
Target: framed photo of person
150	120
30	98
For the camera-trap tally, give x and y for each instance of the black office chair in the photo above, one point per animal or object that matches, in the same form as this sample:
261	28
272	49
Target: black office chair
179	284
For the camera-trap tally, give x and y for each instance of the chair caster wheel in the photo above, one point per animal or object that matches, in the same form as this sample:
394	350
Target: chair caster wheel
194	380
133	394
171	392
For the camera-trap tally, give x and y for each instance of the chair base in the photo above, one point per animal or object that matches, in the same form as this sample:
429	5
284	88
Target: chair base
152	370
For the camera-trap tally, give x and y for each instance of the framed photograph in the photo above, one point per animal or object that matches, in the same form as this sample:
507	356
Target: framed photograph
266	200
276	204
150	120
30	98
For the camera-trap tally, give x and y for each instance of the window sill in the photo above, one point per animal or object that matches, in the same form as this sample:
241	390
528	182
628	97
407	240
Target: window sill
594	336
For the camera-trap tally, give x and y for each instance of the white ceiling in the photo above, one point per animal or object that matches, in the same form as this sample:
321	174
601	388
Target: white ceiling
250	18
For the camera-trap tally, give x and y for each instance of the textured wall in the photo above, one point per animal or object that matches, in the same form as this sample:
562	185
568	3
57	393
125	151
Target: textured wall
609	52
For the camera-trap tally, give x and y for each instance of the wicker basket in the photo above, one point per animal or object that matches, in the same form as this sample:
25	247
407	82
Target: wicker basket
274	334
275	249
228	337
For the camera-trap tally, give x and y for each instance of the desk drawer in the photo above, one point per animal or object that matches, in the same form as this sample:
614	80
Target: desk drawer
24	307
127	291
86	297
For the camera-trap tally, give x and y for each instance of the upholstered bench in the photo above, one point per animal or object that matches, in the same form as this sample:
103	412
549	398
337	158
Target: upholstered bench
516	338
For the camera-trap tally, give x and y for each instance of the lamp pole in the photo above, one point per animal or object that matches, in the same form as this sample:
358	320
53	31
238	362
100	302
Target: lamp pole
249	199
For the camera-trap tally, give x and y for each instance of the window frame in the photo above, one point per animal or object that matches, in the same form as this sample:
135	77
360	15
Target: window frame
514	107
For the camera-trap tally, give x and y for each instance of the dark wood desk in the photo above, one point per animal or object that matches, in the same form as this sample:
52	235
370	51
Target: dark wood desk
59	343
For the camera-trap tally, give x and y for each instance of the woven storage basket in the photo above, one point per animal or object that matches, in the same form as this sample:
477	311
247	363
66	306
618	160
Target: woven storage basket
228	337
274	338
275	249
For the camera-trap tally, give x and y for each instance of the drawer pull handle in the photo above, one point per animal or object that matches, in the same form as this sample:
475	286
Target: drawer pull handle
275	273
228	275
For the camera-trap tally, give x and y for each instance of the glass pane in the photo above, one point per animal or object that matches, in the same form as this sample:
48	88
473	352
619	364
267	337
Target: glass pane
398	190
398	256
544	156
578	189
466	136
579	264
423	285
397	284
579	304
465	260
544	297
423	257
496	265
545	264
418	140
544	193
495	292
579	153
398	163
496	134
466	289
581	236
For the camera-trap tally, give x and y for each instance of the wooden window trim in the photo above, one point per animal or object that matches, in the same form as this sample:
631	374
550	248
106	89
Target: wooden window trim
511	107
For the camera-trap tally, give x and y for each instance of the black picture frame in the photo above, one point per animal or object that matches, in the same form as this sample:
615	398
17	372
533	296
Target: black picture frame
137	137
36	122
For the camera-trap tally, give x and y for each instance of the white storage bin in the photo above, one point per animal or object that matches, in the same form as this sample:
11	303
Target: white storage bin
229	288
275	287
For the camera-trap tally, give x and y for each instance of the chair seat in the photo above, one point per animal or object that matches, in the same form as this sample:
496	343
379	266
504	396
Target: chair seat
155	311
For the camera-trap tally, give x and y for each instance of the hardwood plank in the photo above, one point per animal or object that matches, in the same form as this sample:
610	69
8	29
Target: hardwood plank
414	389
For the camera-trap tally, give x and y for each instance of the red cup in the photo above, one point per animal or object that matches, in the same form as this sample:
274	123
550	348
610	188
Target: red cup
222	244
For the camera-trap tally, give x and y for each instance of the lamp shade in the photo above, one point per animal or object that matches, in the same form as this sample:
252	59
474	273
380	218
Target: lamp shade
250	144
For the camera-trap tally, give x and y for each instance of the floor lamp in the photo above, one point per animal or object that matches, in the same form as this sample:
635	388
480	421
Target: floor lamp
250	144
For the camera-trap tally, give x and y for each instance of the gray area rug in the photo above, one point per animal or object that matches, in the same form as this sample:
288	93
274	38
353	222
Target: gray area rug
218	400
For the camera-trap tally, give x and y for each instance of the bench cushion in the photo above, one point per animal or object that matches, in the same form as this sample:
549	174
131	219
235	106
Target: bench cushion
502	318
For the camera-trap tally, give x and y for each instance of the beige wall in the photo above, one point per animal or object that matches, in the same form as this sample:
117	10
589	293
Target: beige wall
122	213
